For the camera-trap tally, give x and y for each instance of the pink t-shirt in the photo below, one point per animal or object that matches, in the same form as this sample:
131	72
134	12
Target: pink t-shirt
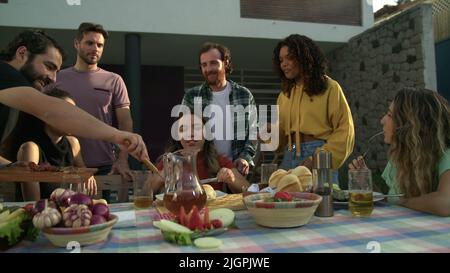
98	93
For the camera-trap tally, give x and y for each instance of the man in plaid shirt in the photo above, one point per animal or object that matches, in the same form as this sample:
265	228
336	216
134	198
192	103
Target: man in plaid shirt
217	91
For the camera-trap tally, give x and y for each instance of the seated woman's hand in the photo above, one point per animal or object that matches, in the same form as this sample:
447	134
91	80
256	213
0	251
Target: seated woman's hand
357	163
226	175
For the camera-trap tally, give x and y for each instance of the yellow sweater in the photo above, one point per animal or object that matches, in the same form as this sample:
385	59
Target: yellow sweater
326	117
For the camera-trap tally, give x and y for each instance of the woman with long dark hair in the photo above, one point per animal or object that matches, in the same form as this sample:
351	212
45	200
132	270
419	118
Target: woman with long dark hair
313	109
209	163
417	128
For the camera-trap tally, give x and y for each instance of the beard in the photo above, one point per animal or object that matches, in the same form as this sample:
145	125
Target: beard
211	80
214	78
87	59
33	76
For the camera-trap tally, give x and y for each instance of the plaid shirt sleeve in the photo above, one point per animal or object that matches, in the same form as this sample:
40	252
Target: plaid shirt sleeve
244	146
188	98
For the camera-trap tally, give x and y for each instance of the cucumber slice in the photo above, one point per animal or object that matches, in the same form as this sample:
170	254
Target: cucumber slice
226	216
157	224
207	242
169	226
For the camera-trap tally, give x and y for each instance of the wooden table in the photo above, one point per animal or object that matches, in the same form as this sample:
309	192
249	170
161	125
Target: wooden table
64	175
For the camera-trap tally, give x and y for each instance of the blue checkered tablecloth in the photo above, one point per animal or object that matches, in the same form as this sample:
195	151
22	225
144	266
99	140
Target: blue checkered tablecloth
389	229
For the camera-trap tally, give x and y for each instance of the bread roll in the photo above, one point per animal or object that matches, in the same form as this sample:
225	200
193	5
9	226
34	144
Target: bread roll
304	175
295	187
276	177
210	192
290	183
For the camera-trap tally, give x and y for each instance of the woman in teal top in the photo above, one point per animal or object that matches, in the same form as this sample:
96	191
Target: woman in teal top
417	127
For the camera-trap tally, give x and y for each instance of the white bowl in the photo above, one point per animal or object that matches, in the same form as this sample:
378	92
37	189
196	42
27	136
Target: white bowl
61	236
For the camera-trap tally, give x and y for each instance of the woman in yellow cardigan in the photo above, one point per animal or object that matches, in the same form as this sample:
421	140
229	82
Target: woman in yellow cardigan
313	110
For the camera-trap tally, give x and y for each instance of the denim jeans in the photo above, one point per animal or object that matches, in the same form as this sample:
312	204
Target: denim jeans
307	149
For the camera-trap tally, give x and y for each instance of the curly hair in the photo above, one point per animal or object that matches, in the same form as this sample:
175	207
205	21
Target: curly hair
311	60
36	41
422	119
225	54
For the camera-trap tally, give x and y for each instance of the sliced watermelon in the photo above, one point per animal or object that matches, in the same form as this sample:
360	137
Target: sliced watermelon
195	222
182	216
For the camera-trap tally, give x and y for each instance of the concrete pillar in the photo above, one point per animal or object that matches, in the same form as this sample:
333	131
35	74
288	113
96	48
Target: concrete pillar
133	82
133	76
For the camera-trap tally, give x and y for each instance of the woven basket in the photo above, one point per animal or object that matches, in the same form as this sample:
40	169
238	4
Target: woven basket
60	236
282	214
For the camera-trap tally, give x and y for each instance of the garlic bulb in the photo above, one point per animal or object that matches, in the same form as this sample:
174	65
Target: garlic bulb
49	217
77	216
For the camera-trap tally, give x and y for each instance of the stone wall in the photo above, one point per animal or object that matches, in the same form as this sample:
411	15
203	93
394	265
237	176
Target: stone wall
395	53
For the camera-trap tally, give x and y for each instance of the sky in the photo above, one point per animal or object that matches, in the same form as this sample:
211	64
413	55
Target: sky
378	4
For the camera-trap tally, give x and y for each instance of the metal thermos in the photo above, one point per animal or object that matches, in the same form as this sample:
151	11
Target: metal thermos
322	181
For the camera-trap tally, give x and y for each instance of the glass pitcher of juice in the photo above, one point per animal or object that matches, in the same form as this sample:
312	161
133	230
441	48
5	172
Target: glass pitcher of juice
182	187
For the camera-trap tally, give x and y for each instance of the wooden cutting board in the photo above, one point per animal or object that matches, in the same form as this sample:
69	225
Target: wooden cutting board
64	175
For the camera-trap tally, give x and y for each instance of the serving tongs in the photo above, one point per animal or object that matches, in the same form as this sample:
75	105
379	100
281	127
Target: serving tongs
148	164
209	180
152	167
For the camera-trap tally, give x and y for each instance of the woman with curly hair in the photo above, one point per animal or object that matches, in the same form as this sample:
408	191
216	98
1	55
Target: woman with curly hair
313	109
417	127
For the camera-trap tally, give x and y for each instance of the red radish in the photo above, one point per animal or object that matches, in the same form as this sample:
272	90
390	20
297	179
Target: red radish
97	219
100	209
207	225
30	210
216	223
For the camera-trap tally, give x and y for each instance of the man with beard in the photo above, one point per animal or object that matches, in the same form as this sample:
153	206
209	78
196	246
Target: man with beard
101	93
215	64
32	58
39	57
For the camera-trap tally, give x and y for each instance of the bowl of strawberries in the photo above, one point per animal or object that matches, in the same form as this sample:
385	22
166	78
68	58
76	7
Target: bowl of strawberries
282	209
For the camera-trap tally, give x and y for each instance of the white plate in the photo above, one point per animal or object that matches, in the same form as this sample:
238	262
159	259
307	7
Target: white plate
376	198
219	194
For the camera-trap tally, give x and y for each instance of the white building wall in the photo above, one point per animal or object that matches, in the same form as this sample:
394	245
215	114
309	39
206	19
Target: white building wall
191	17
